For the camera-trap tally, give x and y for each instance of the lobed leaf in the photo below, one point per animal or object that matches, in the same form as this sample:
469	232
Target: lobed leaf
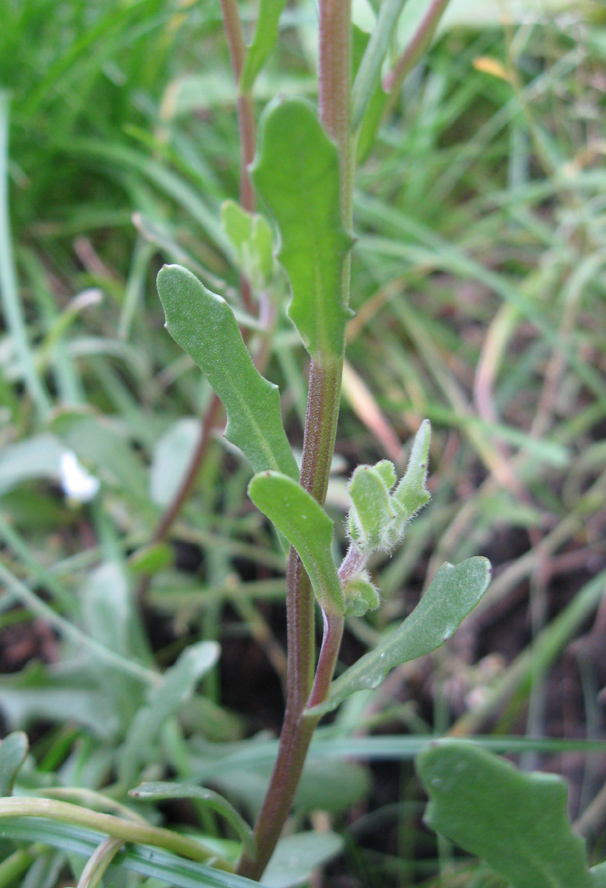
297	174
204	325
454	592
307	527
516	822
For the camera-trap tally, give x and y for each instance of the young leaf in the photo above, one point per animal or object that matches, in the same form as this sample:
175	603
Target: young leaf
13	751
307	527
297	174
360	595
266	34
372	512
204	325
454	592
156	791
411	493
516	822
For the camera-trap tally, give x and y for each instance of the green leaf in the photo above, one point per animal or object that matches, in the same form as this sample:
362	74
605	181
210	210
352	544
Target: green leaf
307	527
13	751
372	512
369	72
411	493
454	592
171	459
155	791
177	687
204	325
516	822
297	856
598	876
252	237
360	595
297	174
266	34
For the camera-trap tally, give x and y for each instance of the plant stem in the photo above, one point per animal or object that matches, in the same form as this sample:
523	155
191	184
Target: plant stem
417	46
232	25
318	446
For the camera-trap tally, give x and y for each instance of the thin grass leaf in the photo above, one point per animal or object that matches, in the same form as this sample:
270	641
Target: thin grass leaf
9	290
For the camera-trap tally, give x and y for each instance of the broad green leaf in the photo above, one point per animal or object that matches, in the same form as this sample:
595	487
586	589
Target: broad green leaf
297	856
177	687
369	72
454	592
307	527
514	821
266	34
156	791
204	325
13	751
297	174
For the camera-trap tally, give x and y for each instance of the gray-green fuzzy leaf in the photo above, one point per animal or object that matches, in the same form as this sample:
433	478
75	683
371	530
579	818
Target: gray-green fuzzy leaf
307	527
411	493
297	174
178	685
516	822
372	512
454	592
204	325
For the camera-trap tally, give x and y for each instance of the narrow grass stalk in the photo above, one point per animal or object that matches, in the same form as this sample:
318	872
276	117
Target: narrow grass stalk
9	291
115	827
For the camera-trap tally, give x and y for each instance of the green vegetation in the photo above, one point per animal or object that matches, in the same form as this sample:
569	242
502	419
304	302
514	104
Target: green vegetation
462	266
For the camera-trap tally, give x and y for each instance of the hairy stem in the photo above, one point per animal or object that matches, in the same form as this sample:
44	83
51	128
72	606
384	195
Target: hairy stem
320	433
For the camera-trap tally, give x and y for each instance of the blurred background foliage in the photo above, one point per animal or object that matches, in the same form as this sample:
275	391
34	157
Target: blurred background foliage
479	284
